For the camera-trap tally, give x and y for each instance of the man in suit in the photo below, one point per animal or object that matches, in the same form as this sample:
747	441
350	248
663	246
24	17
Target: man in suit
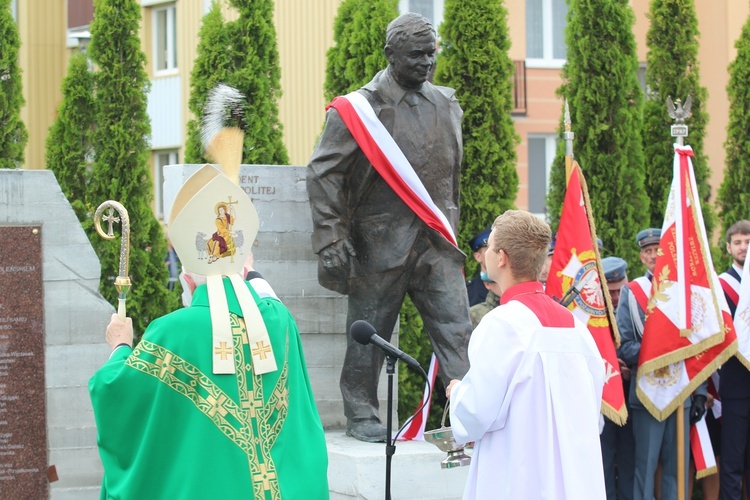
734	386
655	441
372	243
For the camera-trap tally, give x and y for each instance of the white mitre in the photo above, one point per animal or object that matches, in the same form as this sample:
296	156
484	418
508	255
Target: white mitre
208	212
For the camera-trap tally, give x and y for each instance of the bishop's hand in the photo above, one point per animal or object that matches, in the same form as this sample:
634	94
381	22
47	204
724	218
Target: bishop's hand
119	332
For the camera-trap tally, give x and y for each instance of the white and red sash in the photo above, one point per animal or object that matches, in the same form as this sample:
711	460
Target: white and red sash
641	290
386	157
731	287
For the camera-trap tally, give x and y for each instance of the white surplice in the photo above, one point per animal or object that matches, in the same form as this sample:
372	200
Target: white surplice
530	403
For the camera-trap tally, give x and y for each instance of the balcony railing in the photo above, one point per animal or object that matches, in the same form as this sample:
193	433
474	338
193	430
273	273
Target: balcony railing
519	88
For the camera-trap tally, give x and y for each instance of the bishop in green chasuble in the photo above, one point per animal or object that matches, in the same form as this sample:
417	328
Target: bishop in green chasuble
170	428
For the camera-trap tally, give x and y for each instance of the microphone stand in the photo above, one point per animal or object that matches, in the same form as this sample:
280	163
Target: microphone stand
390	444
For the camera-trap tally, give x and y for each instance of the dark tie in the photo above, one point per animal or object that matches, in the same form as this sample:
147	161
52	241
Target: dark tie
416	124
412	99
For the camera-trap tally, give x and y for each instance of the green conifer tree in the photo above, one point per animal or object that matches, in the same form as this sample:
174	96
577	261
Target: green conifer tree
120	171
733	200
358	40
68	144
211	67
672	70
601	84
255	72
13	134
474	49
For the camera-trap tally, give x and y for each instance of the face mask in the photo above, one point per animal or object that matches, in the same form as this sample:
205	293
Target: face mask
485	277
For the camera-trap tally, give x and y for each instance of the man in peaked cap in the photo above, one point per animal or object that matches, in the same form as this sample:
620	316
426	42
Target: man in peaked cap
215	400
618	446
476	286
655	441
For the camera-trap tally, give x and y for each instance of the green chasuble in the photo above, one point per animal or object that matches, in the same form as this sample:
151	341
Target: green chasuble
169	428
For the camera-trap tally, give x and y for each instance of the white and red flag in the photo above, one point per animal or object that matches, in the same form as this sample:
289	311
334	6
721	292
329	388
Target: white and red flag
688	331
576	264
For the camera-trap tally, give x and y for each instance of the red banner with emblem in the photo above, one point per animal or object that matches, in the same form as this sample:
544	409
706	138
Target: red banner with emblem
576	276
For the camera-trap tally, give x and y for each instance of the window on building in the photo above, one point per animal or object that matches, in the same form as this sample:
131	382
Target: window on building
162	158
431	9
165	38
545	33
542	149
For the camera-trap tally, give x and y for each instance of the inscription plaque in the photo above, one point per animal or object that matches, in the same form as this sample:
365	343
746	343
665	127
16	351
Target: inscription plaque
23	427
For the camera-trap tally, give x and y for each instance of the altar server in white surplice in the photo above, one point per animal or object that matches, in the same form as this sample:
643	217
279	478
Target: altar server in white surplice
531	399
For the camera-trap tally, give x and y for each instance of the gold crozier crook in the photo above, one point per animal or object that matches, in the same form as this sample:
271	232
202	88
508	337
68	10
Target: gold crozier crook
122	282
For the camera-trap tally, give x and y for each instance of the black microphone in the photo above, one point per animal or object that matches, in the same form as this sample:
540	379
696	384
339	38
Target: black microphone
364	333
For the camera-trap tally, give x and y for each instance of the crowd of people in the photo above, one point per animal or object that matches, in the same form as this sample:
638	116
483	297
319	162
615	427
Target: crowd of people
640	458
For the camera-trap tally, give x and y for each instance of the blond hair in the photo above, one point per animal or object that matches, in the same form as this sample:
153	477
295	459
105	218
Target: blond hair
525	239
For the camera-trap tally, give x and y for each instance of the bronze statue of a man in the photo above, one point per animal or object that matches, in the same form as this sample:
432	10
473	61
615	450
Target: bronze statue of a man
371	244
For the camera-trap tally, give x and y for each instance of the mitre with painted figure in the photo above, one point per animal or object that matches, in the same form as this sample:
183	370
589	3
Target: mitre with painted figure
212	226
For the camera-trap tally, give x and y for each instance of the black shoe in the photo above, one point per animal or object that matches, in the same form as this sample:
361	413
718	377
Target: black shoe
368	430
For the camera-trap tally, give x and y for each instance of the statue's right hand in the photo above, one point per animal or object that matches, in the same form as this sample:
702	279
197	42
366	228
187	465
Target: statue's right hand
337	254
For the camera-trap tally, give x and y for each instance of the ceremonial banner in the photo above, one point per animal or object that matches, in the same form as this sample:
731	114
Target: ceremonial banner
688	332
742	317
576	270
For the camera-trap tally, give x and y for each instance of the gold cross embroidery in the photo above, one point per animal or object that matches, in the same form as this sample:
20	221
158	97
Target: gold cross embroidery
165	365
223	350
217	405
283	398
250	405
264	476
261	350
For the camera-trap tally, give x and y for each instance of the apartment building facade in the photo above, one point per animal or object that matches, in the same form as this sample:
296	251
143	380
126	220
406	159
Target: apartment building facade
169	34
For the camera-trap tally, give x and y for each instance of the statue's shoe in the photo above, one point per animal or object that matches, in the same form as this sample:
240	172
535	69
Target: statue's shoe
368	430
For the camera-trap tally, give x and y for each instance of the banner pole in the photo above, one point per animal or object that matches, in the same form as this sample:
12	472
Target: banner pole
568	137
681	452
679	131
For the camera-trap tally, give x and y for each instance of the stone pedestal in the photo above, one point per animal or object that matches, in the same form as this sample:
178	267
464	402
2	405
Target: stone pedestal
356	470
283	255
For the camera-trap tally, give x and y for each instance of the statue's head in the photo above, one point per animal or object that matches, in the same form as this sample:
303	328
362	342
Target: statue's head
410	45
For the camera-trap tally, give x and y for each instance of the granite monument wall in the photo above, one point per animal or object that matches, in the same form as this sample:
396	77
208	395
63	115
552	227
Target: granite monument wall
71	330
